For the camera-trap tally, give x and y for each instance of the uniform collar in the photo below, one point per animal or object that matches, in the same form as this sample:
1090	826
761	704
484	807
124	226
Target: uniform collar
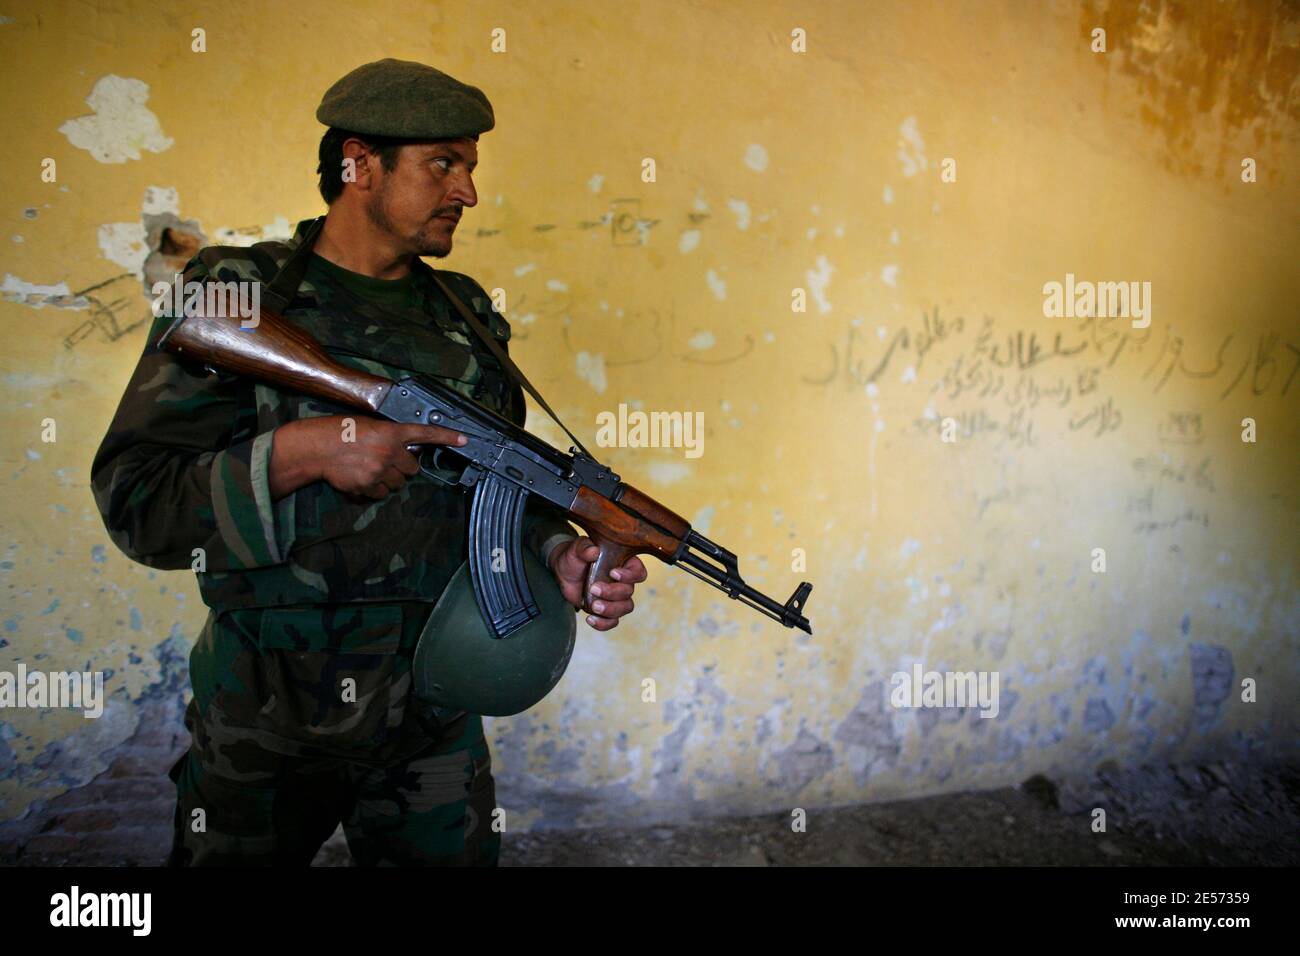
419	267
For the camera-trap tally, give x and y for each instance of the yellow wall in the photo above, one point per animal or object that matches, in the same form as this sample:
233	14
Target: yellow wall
969	555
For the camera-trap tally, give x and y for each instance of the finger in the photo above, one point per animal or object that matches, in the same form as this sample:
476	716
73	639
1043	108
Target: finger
633	571
601	623
611	609
430	435
408	464
376	492
610	591
392	479
574	560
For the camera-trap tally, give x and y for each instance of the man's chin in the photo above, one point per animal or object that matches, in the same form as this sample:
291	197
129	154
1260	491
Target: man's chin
436	248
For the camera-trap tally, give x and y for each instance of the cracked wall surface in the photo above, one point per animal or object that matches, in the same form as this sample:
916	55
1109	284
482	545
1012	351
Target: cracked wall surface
823	432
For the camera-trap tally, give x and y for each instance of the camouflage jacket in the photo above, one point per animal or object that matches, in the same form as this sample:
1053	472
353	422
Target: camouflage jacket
184	464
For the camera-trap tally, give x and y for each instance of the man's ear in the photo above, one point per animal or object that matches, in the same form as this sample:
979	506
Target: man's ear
359	163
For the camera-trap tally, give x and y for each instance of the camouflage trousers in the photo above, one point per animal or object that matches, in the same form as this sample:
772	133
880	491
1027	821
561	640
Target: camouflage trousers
278	758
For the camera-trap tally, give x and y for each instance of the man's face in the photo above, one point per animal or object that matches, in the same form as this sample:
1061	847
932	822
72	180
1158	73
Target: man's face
419	201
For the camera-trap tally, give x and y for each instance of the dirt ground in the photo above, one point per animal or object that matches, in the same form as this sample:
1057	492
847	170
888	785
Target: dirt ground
1207	815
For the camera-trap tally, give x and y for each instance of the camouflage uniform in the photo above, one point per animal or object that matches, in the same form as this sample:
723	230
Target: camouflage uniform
302	714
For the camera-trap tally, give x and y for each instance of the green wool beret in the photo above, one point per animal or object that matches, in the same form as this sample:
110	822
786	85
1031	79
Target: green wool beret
406	100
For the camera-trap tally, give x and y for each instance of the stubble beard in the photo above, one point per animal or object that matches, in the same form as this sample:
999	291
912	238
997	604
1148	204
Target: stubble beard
425	242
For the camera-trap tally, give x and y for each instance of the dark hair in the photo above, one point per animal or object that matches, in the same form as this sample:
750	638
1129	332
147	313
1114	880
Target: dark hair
330	167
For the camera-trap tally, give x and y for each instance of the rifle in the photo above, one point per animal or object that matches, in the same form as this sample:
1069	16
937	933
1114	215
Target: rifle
502	462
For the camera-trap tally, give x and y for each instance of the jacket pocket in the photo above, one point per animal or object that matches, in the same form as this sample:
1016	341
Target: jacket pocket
332	678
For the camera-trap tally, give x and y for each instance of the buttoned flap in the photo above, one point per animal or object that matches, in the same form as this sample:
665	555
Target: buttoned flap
339	628
498	326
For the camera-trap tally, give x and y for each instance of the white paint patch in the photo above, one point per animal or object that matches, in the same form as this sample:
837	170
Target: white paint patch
717	285
909	374
812	234
120	124
524	269
161	199
839	231
741	210
880	426
703	519
527	319
700	205
769	337
555	285
881	332
124	243
247	235
893	236
911	148
756	158
595	182
38	296
18	239
689	242
860	560
591	369
702	340
887	195
909	548
872	389
889	275
818	280
668	472
538	423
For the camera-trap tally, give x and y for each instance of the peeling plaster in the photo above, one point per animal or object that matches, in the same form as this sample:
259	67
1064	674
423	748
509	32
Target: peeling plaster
120	125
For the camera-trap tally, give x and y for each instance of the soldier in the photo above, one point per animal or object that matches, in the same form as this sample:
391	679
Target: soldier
319	547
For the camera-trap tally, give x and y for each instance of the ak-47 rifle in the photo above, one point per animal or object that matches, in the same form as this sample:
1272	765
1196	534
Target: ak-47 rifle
502	462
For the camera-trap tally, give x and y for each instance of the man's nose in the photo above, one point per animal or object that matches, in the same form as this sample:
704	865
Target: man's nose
462	192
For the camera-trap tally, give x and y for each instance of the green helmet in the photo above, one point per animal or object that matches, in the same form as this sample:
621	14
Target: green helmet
460	665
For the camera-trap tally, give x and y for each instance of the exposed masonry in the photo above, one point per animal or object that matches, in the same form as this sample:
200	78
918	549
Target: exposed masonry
124	815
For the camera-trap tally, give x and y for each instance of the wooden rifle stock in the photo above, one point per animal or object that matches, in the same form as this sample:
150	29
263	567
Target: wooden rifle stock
276	352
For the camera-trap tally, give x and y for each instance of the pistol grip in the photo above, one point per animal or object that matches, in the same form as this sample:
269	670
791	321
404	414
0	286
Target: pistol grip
612	555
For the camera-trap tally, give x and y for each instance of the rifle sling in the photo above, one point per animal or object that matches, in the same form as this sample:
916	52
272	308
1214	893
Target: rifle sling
506	362
280	291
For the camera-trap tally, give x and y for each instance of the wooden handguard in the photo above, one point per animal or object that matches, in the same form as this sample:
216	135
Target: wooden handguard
276	352
647	507
619	535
